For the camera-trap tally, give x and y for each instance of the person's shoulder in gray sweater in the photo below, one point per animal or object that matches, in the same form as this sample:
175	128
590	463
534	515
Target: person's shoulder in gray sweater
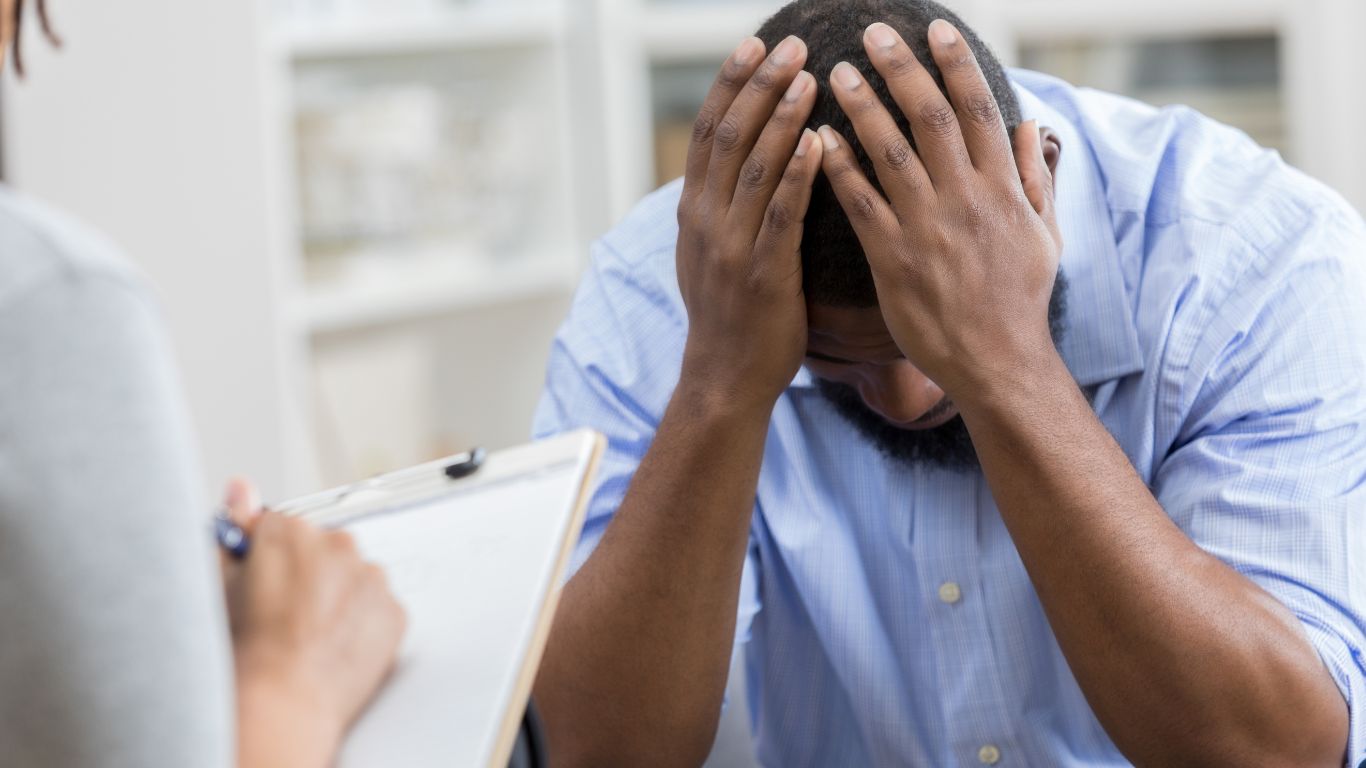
113	650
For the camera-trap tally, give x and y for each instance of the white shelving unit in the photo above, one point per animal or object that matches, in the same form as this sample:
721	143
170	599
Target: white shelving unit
690	31
382	296
357	303
310	359
482	27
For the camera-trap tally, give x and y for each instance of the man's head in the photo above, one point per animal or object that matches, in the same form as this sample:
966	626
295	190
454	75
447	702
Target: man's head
850	351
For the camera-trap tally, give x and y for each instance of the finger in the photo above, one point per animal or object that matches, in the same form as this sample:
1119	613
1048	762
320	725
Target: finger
748	114
897	165
342	543
984	132
1035	176
780	239
270	558
242	501
735	72
934	125
293	534
872	219
765	168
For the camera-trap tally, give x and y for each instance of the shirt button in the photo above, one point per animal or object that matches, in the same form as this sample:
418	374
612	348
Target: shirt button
950	593
989	754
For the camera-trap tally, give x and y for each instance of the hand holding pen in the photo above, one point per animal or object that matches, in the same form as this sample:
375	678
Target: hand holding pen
315	630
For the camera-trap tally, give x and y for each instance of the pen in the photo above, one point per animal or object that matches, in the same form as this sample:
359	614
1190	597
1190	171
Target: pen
230	535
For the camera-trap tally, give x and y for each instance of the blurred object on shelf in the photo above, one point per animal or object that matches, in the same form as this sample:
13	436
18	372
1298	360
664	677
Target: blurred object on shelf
676	92
672	138
369	162
329	10
373	397
393	160
1235	80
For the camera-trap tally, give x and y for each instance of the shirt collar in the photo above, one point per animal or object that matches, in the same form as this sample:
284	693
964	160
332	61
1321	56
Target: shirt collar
1100	340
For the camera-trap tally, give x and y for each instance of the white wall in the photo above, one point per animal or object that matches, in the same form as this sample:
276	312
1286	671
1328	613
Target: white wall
152	125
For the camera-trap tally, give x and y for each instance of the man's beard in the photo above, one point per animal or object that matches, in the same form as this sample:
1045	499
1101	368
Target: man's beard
947	446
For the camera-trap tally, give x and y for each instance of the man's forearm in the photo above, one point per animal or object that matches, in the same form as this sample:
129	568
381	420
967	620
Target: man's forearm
1183	660
636	666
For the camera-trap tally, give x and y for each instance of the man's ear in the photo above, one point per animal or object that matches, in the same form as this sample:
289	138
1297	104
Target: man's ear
1052	148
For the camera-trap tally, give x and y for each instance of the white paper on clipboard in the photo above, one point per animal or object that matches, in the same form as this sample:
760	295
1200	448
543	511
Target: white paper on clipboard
477	563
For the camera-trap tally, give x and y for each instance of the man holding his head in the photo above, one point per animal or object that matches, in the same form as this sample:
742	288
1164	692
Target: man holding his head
1000	422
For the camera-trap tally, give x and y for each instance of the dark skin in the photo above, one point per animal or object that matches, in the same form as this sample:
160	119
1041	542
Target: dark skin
1183	660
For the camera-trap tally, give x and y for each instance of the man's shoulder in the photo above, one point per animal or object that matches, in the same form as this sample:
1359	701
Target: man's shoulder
650	230
42	249
1173	165
633	272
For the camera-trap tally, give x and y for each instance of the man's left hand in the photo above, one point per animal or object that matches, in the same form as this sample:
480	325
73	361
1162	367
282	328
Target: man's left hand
964	247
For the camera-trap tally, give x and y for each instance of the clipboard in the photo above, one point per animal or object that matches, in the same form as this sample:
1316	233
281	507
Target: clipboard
477	562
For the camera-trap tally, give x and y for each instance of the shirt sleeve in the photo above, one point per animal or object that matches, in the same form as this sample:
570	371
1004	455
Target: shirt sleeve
613	368
114	650
1269	472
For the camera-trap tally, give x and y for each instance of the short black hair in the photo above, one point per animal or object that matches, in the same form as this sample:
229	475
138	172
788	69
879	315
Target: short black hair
834	270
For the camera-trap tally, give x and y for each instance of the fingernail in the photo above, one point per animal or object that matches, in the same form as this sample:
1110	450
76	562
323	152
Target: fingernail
881	35
829	139
787	50
749	49
804	143
847	76
232	494
943	32
798	87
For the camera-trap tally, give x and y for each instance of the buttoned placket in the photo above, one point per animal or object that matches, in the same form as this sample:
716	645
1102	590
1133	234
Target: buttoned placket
947	557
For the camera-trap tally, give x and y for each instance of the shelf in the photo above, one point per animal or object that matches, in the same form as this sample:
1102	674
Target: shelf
1061	19
385	290
700	31
472	29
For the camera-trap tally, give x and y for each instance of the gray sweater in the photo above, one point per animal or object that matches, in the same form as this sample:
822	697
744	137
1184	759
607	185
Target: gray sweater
113	650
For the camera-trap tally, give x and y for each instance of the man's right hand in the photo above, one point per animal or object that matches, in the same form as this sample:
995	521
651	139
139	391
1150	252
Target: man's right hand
749	175
315	630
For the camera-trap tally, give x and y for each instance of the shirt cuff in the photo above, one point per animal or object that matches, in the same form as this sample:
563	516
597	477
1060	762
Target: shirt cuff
1344	663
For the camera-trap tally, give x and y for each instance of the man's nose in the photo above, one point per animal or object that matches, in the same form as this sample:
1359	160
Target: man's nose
899	392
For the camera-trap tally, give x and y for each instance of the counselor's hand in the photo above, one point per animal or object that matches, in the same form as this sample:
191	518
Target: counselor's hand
749	174
315	631
964	248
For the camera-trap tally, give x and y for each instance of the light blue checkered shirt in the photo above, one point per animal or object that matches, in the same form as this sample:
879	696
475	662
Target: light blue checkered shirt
1217	319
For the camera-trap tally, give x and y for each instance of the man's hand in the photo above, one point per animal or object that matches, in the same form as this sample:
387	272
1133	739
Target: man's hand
964	249
315	631
1183	660
749	174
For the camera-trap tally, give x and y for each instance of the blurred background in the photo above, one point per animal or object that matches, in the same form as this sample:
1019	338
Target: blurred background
365	218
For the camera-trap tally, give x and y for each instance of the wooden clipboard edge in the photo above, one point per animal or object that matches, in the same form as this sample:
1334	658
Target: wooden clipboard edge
531	663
